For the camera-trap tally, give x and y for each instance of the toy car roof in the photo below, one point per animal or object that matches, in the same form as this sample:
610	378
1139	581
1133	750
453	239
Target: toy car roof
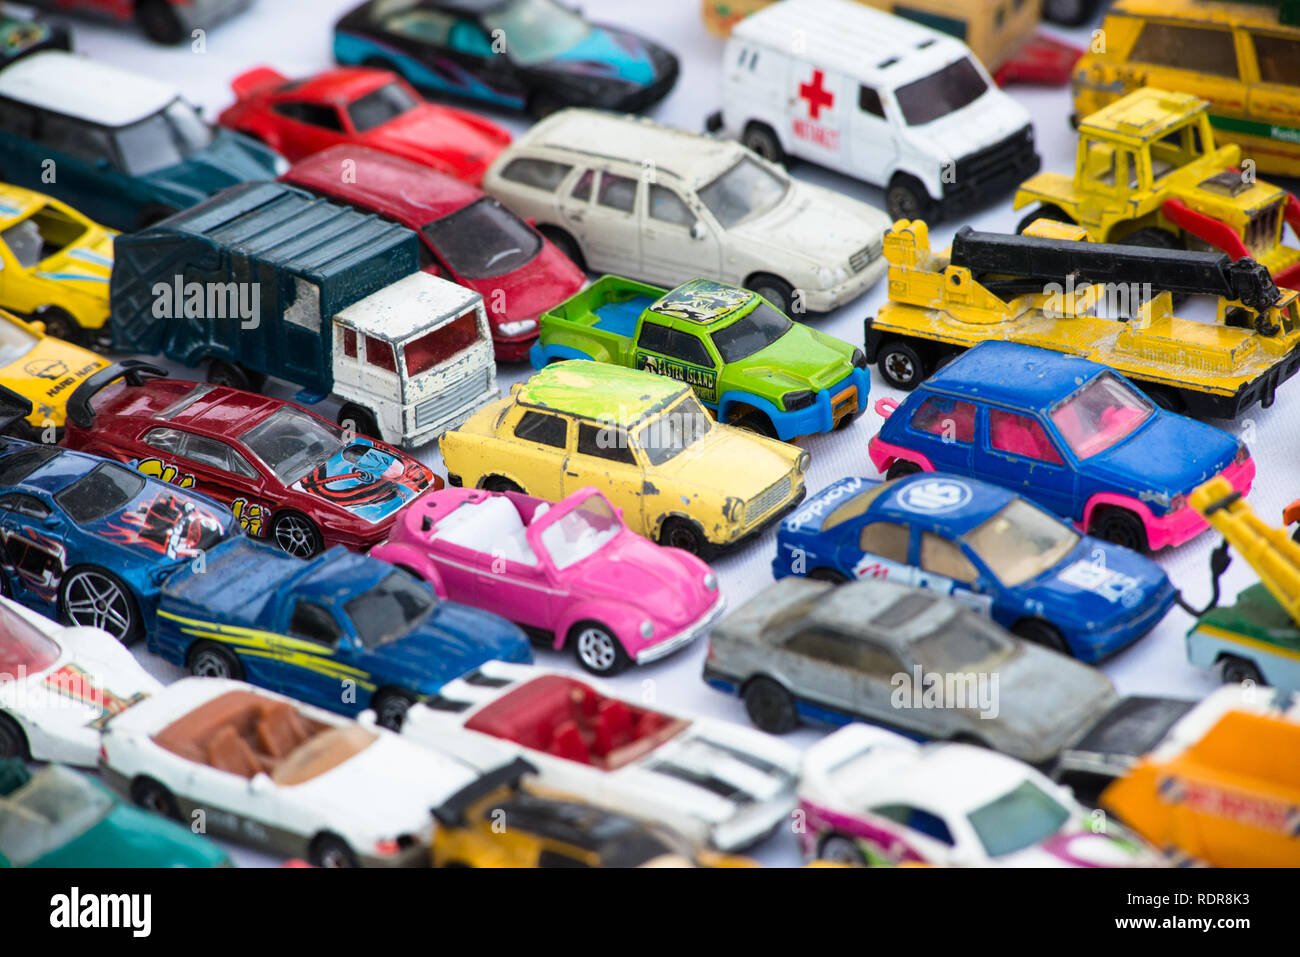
407	306
858	41
905	502
90	90
1275	14
1145	114
16	202
338	86
396	187
1013	374
597	390
702	301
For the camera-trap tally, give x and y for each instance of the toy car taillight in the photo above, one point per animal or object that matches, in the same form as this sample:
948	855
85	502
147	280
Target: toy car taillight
1243	454
1178	503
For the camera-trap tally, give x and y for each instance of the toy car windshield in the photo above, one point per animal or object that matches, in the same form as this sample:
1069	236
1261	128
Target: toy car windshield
1100	415
752	333
22	646
1023	817
483	240
1021	542
669	435
163	140
957	85
745	190
15	341
581	533
539	30
390	610
383	105
47	812
957	645
292	442
45	233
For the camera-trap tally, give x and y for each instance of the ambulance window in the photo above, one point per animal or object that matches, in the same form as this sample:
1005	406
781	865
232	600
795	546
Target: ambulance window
667	207
617	192
541	174
1203	49
1279	59
869	102
582	188
887	540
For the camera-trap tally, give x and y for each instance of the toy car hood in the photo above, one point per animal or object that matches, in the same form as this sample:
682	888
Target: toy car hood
452	641
752	464
368	480
164	524
803	358
52	361
440	137
228	160
607	54
1098	583
816	226
1170	455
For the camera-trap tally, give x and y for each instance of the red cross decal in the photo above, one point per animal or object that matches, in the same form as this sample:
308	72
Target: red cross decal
816	94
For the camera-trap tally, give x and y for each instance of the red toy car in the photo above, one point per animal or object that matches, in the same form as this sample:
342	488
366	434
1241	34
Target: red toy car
163	21
465	236
287	474
361	107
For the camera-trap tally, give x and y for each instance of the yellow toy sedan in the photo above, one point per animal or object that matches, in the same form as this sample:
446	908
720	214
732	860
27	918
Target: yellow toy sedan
55	265
43	369
643	440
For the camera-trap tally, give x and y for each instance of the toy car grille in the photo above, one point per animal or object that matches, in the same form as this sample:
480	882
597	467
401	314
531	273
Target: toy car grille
1261	231
989	161
767	500
863	258
429	412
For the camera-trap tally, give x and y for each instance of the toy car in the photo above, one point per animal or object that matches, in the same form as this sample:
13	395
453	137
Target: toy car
92	541
281	776
54	265
21	36
1175	188
163	21
874	650
128	149
873	797
1219	786
360	107
548	831
59	686
643	441
1069	435
43	370
714	783
888	101
571	572
290	476
747	362
344	631
56	817
465	236
624	195
534	55
986	547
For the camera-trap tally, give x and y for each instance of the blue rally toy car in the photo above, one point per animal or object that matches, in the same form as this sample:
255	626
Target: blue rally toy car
343	631
984	546
1067	433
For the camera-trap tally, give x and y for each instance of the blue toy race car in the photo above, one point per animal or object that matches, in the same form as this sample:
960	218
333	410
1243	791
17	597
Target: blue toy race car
984	546
1069	434
343	631
92	540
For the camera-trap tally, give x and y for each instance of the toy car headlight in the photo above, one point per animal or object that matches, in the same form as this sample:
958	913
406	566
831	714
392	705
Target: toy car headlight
800	399
732	509
825	278
647	628
711	581
280	165
805	460
518	327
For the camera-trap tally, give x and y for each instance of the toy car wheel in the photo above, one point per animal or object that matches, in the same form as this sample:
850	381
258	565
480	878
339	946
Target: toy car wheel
761	138
207	659
1068	13
96	598
774	289
827	575
1120	527
565	244
684	534
902	468
390	708
60	325
1167	399
1046	211
906	198
153	796
596	649
330	851
1157	238
769	706
901	365
360	420
839	849
1236	670
1039	632
755	422
499	483
159	21
230	374
13	743
296	535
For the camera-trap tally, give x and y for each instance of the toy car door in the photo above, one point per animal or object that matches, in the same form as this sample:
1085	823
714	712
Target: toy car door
605	459
677	242
678	355
540	452
90	177
1018	453
878	550
216	469
313	661
872	146
943	567
600	210
31	551
820	663
943	429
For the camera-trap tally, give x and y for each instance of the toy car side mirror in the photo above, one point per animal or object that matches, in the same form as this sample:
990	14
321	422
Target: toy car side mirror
698	231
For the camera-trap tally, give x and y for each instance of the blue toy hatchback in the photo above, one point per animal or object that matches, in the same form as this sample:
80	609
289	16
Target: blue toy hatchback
1072	435
984	546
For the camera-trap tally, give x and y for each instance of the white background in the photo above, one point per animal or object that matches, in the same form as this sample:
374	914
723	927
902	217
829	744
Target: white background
294	36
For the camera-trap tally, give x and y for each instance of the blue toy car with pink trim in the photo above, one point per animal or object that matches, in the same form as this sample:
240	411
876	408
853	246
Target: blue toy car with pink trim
1071	435
984	546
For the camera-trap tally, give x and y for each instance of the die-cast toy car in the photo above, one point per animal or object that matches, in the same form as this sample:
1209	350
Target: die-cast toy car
1066	433
986	547
572	573
290	476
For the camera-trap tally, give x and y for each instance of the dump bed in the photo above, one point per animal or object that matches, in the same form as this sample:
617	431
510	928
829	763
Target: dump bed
600	319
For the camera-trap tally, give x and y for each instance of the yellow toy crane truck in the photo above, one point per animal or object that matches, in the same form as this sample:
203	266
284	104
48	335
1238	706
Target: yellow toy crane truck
1043	288
1148	173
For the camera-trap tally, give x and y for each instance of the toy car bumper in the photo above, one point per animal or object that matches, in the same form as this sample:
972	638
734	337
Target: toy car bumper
830	407
1092	647
424	421
986	174
698	629
1176	527
825	300
741	533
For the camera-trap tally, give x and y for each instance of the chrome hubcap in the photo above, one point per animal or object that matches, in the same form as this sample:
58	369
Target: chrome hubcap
208	664
95	601
900	367
294	535
596	649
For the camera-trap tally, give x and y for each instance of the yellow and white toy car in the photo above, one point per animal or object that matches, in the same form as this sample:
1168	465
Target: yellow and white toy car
43	369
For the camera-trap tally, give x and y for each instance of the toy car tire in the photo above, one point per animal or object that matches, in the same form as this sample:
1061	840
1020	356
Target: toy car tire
597	649
13	743
207	659
153	796
1167	399
297	535
1120	527
1153	237
901	365
772	288
762	139
684	534
1046	211
755	422
1068	13
330	851
901	468
770	706
566	244
839	849
232	375
159	21
60	325
1236	670
906	198
360	420
1039	632
390	707
499	483
827	575
103	602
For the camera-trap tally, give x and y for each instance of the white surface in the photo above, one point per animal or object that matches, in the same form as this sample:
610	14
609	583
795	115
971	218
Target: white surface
294	36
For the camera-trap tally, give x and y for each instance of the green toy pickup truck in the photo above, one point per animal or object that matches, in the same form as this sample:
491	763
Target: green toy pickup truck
746	360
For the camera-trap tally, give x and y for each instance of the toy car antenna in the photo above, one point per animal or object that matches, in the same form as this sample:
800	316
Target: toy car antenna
13	408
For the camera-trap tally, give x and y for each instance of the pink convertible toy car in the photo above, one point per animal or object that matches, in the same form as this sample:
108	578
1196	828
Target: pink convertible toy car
570	573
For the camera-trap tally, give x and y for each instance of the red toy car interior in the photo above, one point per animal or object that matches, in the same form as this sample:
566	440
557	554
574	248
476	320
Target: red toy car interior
1020	435
954	420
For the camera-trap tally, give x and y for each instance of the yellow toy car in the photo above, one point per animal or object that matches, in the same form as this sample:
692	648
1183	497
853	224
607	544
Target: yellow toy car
643	440
55	265
43	369
1242	57
1148	173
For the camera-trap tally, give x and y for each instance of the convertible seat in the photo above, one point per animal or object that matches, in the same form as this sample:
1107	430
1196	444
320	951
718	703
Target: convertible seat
491	526
227	751
280	730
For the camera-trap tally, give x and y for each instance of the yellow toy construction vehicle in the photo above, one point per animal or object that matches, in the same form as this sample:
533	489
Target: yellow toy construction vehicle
1043	288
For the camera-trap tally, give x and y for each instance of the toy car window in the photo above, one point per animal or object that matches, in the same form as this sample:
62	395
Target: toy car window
581	533
25	505
1100	414
206	451
438	345
852	507
377	108
582	188
543	428
604	442
962	642
162	140
887	540
679	428
688	348
17	119
77	139
106	489
426	26
956	86
541	174
617	192
349	341
291	442
314	623
1023	817
23	646
667	207
942	557
171	441
56	806
949	419
313	114
380	354
15	341
653	337
18	465
869	102
483	240
840	650
538	30
1021	436
1204	49
468	37
1021	542
923	822
1278	57
389	610
747	189
751	333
